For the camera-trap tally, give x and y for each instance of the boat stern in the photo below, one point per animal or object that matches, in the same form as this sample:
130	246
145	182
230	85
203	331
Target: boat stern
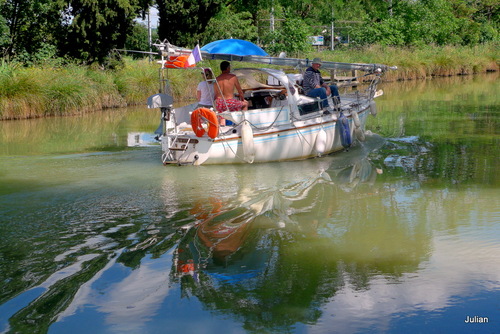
185	149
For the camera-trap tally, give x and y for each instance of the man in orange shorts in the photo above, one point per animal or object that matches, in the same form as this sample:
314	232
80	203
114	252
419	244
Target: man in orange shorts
224	93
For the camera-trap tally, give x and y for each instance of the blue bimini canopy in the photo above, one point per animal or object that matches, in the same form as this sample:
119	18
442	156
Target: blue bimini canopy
235	47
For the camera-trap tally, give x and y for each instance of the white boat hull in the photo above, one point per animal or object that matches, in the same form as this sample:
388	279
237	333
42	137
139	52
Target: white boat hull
298	140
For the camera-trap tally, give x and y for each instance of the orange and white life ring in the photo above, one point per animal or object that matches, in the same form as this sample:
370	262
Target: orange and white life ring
203	210
213	123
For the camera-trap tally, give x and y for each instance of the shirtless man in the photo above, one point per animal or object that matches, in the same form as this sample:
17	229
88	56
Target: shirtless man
224	98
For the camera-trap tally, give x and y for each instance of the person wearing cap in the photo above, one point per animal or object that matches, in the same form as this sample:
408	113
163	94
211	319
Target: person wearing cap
205	90
314	85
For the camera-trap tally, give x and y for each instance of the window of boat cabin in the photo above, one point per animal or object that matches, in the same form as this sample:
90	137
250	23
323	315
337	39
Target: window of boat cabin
272	81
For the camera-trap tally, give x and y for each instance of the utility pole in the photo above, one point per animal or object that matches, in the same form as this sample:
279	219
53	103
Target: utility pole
333	34
149	34
271	20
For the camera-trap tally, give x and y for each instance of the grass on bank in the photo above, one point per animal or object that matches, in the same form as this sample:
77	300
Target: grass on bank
51	91
425	62
28	92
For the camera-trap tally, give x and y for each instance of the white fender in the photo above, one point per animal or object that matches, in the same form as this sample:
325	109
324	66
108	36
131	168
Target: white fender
355	118
247	140
373	108
360	134
320	144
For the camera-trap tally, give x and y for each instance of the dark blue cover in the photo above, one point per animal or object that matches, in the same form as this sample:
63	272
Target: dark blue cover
343	130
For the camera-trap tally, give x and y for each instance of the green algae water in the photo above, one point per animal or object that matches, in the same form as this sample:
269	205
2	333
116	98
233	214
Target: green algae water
400	233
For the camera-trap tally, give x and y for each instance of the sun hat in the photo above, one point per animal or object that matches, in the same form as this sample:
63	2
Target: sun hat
316	61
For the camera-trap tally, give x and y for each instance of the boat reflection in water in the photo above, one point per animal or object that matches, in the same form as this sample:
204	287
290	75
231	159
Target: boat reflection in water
277	255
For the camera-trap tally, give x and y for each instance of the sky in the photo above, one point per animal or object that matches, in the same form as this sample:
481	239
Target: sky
154	18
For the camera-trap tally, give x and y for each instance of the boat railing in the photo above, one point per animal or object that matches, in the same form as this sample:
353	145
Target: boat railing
367	92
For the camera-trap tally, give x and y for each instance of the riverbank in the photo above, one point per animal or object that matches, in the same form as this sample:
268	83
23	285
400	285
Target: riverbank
55	90
426	62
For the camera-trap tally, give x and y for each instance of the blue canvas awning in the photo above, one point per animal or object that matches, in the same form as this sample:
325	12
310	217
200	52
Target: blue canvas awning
235	47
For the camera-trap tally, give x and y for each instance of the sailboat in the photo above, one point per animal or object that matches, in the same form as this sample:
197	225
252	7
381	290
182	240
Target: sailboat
281	123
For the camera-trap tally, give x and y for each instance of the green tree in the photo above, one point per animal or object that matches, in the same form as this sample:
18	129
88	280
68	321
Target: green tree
479	20
254	7
29	25
81	29
228	24
290	36
4	36
183	21
138	40
94	27
417	23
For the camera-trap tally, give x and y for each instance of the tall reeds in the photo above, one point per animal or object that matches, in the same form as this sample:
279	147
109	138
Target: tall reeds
50	91
424	62
28	92
136	80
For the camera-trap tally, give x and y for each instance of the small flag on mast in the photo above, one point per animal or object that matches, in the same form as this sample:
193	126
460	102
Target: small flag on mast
195	56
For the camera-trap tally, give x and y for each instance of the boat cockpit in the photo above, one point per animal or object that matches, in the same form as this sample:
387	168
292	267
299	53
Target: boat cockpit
269	88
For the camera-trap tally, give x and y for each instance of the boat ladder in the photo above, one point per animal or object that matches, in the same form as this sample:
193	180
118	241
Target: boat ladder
177	145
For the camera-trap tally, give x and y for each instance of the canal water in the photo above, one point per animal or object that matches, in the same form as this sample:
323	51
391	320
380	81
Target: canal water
400	233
